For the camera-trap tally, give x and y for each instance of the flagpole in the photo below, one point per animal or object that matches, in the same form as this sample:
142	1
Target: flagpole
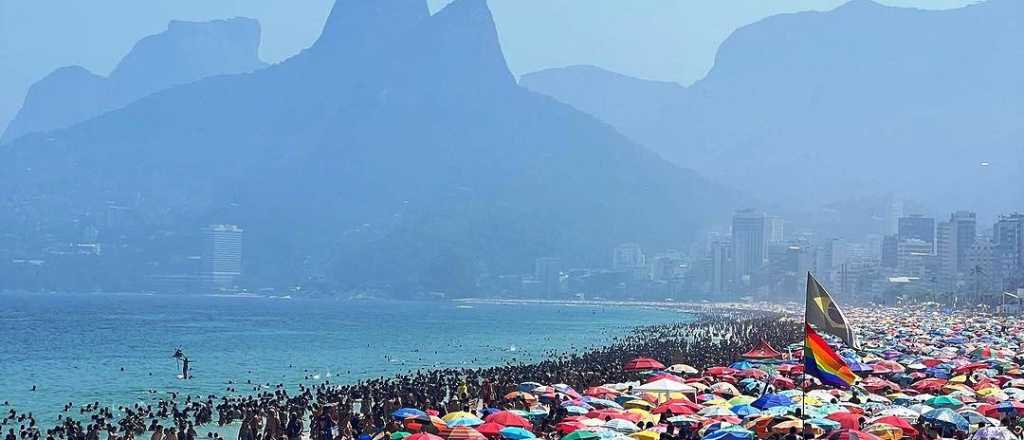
803	375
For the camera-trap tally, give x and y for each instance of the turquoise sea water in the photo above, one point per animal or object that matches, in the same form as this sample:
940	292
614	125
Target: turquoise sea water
72	347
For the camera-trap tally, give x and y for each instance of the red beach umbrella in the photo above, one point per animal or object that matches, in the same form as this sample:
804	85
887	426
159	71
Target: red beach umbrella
490	429
506	418
678	409
908	430
642	363
845	419
668	376
721	371
602	392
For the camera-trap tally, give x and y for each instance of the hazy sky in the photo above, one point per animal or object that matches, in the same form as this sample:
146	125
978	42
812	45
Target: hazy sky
657	39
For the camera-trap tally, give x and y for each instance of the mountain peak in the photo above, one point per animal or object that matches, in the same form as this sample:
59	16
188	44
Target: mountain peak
185	52
353	23
464	39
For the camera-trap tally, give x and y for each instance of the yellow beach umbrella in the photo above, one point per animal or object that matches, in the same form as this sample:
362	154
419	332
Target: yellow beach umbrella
645	416
718	402
458	415
887	432
638	403
646	435
741	400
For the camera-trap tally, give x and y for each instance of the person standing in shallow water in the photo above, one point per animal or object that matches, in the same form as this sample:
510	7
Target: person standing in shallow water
184	367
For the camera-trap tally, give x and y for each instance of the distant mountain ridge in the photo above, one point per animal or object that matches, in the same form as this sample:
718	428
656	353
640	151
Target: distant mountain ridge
185	52
397	153
813	107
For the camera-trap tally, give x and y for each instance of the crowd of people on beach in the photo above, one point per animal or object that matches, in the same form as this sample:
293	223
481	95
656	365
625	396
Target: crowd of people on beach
974	363
364	407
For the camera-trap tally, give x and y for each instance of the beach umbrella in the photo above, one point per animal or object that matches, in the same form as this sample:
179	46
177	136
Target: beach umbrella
1006	408
716	411
724	388
850	434
920	408
623	426
741	400
845	419
947	418
824	424
975	418
677	408
637	403
576	410
405	413
464	421
601	392
423	436
400	435
771	400
601	403
687	420
646	435
458	415
465	433
515	433
490	429
898	422
885	432
567	426
508	418
731	433
643	363
645	416
668	376
720	371
567	390
521	395
528	386
993	433
745	411
582	435
944	402
681	369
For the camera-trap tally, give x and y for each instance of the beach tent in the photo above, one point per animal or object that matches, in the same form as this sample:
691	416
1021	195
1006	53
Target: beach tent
643	364
764	350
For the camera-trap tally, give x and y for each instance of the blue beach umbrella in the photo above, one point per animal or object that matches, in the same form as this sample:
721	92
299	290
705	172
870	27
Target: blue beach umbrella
946	417
526	387
465	421
745	410
516	433
771	400
404	413
576	410
730	433
741	365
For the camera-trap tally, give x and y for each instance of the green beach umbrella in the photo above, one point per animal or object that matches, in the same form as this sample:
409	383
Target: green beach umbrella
944	402
399	435
580	434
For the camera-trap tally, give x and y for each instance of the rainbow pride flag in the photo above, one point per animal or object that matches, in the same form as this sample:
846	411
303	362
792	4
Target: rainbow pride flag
822	362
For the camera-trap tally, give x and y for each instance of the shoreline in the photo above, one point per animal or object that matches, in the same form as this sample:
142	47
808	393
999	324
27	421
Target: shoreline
699	313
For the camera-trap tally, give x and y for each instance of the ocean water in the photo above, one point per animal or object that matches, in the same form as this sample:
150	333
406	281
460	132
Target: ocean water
73	347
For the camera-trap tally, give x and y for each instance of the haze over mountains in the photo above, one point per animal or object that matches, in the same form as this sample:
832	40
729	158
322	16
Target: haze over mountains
813	107
185	52
398	152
